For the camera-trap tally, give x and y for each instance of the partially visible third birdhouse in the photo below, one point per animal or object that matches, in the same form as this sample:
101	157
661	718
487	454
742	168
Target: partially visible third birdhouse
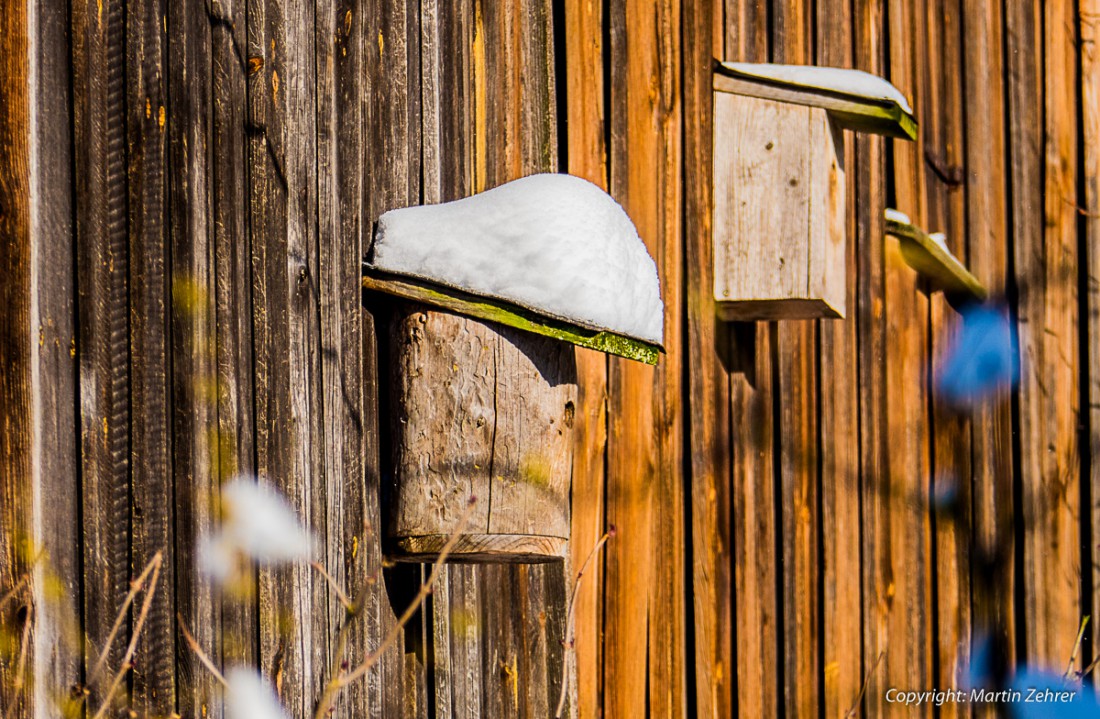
779	190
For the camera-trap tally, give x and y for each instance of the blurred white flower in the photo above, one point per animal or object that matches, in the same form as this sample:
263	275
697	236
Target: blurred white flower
250	697
257	526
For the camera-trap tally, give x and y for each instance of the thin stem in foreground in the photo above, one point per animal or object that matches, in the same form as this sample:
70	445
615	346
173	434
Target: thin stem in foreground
334	586
341	680
854	711
135	587
194	645
571	619
1076	646
154	565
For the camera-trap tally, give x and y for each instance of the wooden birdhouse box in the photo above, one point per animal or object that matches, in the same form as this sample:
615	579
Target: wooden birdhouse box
779	188
494	289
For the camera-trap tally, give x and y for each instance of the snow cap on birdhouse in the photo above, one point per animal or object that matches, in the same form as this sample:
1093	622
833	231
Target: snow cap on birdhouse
779	189
549	253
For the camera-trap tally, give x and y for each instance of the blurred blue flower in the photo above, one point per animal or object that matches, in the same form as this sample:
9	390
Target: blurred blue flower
1040	693
984	358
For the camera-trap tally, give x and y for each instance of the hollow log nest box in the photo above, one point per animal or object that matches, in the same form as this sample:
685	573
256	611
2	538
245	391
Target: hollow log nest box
779	190
493	290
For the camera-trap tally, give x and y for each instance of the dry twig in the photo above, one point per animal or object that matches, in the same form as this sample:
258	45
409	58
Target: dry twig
1076	647
154	566
194	645
854	711
135	587
571	619
343	679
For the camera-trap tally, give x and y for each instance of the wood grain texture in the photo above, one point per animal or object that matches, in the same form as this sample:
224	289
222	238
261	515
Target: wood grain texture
154	678
1042	128
839	424
645	615
295	634
54	453
1088	12
16	419
192	281
233	319
753	525
950	431
488	417
795	370
586	153
99	135
871	181
989	250
901	593
707	353
778	184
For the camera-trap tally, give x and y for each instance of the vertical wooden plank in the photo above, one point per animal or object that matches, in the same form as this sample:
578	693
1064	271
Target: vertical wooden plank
514	134
1088	15
340	158
645	565
871	189
942	127
901	590
839	423
1042	126
752	462
295	636
154	690
232	289
988	242
99	119
587	157
193	336
708	392
54	453
796	372
16	396
391	142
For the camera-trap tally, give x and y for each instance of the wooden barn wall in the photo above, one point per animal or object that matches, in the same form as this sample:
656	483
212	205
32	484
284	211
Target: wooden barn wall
186	190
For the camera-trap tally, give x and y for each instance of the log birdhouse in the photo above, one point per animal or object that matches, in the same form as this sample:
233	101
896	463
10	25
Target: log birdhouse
482	397
779	189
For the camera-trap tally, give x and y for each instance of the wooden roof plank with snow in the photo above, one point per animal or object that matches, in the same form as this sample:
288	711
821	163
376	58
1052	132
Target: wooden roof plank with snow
507	313
856	99
549	253
932	259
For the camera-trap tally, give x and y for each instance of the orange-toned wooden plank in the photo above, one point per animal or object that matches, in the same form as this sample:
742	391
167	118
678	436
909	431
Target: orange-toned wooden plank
1043	127
839	427
943	124
752	468
796	351
1089	12
587	157
708	392
645	610
900	595
988	241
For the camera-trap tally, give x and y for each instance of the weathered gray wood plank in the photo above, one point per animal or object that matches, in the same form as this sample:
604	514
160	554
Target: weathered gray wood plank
99	117
154	689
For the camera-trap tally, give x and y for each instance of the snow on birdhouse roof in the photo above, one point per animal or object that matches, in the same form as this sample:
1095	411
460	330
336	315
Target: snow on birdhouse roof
550	243
856	99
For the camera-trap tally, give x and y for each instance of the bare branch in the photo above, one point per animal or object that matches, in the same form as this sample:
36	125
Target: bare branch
1076	646
135	587
569	643
194	645
342	678
334	586
154	566
854	711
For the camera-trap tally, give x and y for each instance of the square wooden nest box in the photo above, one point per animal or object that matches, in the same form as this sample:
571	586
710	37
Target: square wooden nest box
779	205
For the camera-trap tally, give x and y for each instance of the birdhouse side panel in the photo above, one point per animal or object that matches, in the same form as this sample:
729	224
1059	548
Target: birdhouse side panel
828	216
762	168
536	394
